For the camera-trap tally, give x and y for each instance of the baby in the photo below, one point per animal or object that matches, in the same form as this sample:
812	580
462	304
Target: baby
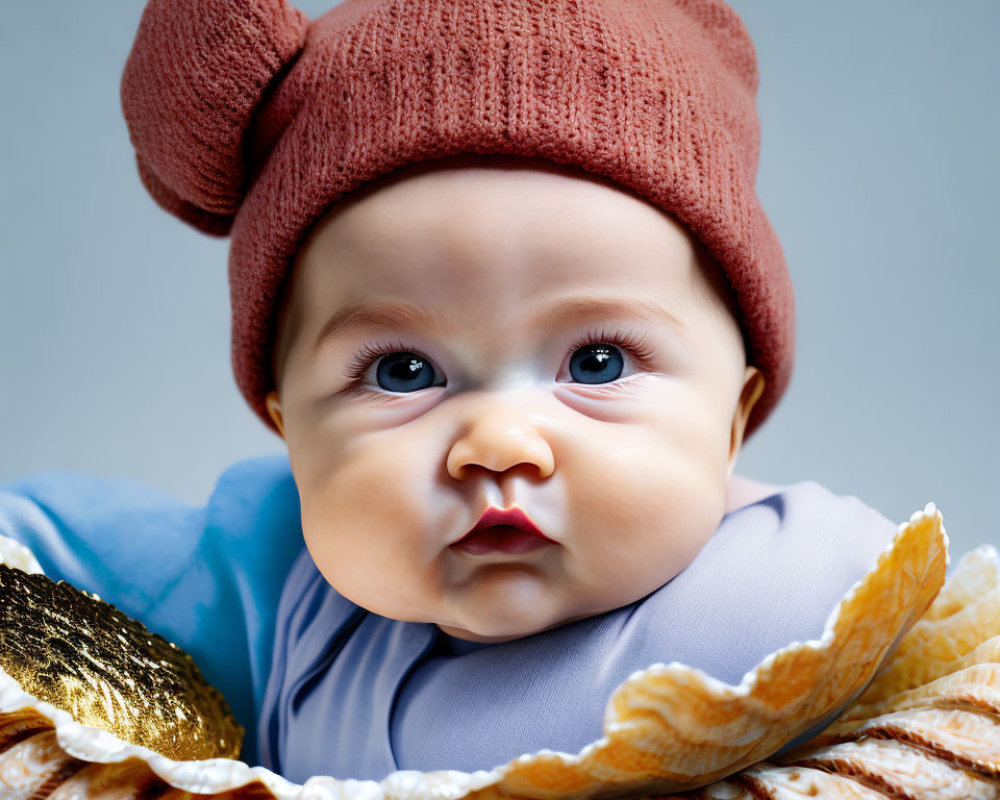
451	345
501	283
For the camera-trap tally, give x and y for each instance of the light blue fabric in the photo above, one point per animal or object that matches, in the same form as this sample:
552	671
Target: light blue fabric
207	579
324	687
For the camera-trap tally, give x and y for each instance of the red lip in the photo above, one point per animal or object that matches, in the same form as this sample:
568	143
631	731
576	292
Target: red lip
511	517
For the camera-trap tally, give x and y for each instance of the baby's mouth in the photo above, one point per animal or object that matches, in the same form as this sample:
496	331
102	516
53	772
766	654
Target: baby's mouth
500	538
508	531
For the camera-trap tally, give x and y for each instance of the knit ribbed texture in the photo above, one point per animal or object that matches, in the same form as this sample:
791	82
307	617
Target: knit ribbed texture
245	120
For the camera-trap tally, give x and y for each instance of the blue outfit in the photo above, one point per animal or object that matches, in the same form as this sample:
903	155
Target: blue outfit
324	687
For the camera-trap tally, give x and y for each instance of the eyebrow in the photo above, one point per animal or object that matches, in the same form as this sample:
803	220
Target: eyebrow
575	310
377	315
589	309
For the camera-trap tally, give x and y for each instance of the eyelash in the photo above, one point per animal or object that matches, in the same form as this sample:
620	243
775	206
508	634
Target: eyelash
635	345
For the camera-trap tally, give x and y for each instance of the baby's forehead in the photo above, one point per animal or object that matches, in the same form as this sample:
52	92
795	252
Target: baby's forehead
435	222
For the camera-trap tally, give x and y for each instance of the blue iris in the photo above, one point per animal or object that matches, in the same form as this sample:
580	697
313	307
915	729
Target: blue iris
404	372
596	363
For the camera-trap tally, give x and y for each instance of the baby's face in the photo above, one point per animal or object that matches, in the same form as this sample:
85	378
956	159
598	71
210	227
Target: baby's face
550	342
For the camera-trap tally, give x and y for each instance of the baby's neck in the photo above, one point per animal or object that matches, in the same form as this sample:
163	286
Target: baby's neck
744	491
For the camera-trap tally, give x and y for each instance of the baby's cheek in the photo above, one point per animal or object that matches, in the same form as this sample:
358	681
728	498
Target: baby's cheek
364	515
348	550
642	511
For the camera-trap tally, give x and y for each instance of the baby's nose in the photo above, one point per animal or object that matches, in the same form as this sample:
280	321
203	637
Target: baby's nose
499	434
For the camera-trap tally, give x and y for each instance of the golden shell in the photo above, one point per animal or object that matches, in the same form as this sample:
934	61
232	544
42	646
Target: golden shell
924	728
71	649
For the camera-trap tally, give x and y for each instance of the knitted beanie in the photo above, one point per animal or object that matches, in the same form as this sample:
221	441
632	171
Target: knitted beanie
251	121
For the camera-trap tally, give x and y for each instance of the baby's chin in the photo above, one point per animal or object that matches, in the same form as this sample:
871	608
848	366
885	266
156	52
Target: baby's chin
504	633
502	624
506	622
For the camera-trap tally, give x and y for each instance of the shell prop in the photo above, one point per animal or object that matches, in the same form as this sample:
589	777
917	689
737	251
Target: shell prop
926	726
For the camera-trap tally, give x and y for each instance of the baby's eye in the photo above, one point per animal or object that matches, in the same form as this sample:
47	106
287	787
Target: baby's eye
391	367
596	363
403	372
604	356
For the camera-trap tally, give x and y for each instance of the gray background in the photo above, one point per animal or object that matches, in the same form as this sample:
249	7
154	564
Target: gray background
879	170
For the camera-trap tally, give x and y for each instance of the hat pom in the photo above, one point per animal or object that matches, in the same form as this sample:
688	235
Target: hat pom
197	72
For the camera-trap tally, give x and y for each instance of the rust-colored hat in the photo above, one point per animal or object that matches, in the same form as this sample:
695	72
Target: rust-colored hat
247	119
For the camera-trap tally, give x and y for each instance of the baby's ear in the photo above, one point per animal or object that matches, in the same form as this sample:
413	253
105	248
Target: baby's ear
273	405
753	388
196	75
